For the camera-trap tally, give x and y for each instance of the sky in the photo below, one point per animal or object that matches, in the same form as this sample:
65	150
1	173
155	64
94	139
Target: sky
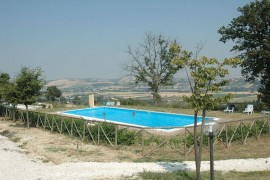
89	38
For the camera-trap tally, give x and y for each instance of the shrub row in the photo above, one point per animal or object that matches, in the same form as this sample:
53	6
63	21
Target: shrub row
248	130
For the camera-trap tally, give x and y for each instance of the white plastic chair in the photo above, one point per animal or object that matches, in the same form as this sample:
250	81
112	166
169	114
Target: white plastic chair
249	109
229	109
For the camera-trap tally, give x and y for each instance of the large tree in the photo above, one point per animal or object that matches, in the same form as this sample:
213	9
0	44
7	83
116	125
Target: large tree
53	93
29	83
251	34
152	63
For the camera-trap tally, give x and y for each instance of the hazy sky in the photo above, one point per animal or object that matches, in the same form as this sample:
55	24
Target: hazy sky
89	38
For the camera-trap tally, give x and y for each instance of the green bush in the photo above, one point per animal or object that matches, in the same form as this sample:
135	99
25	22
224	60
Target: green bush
127	137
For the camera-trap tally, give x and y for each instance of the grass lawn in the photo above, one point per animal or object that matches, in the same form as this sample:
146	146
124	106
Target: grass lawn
188	175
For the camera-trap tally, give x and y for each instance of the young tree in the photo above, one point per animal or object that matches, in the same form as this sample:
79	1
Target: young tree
251	33
77	100
205	76
4	80
29	83
152	63
53	93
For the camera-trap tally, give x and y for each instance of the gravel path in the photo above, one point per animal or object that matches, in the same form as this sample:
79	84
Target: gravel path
15	164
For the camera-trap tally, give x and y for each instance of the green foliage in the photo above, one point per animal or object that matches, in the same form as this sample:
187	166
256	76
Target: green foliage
77	100
33	118
251	35
264	91
190	175
205	76
8	90
190	140
177	175
29	82
235	132
11	93
4	80
127	137
53	93
208	78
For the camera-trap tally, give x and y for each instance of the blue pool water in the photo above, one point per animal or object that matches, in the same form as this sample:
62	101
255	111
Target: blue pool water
134	117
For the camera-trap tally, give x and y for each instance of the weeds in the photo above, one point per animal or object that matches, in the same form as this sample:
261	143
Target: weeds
22	145
56	149
15	139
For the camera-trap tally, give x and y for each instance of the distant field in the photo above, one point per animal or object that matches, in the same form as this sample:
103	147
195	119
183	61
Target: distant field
238	96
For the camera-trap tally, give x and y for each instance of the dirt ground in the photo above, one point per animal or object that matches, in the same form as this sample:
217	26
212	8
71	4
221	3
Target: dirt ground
58	148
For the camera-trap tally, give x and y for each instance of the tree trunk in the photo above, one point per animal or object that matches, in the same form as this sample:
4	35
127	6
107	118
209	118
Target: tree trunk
155	97
196	149
27	117
14	112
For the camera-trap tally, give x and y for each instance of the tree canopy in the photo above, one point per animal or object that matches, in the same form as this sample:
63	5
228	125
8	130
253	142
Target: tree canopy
152	63
29	83
206	76
4	81
53	93
251	34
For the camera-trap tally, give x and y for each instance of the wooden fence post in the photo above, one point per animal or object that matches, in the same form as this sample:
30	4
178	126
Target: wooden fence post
185	142
84	124
226	135
142	142
52	124
242	136
61	126
268	121
98	133
256	130
116	136
71	127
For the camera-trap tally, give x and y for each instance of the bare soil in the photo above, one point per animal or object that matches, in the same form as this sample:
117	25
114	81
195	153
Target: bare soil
59	148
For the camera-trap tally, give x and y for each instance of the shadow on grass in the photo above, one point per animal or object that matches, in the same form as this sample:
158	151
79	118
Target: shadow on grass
177	170
176	166
177	175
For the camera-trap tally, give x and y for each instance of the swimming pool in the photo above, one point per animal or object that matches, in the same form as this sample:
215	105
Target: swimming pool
132	117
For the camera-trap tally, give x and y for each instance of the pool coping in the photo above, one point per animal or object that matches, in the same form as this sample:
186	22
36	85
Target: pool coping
166	128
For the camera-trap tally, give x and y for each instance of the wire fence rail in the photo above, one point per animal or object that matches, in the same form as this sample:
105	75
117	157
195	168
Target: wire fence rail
147	141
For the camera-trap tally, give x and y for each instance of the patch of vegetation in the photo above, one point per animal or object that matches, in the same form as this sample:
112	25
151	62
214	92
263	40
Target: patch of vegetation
56	149
7	133
181	175
23	145
15	139
190	175
45	160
